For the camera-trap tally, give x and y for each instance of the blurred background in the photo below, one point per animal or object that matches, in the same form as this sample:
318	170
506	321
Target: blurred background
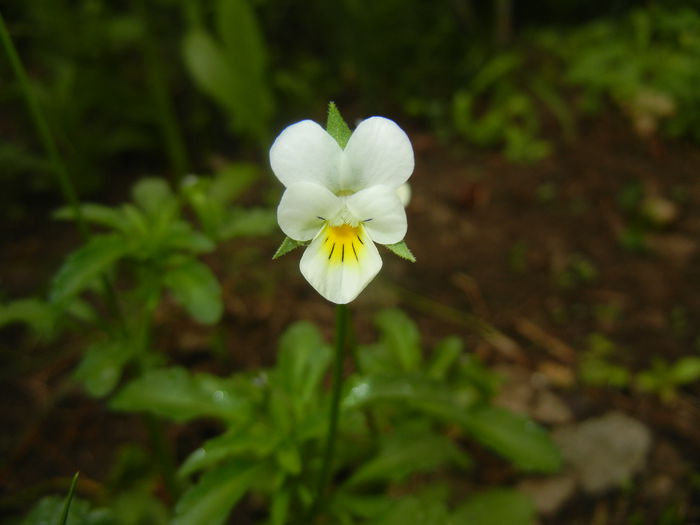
554	214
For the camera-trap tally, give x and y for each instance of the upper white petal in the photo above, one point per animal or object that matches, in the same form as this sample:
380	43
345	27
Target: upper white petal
304	207
339	283
381	212
306	152
378	152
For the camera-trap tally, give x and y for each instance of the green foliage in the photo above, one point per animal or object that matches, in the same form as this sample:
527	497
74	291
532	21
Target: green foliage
402	250
275	421
215	494
287	246
337	127
232	69
150	244
510	117
645	63
494	507
599	366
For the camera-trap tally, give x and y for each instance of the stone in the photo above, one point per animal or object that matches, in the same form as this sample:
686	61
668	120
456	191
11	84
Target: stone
604	452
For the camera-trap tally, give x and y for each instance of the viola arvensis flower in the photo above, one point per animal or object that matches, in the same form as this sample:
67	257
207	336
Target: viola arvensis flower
342	200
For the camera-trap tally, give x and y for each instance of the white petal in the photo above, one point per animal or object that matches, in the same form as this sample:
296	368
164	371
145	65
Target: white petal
340	262
306	152
380	211
378	152
303	209
404	193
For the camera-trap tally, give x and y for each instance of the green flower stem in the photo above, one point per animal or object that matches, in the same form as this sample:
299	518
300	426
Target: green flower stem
341	329
59	166
162	101
43	129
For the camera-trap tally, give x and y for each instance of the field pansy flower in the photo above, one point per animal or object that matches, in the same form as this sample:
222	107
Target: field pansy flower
342	200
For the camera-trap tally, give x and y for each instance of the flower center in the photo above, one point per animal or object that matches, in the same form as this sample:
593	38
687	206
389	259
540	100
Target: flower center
343	244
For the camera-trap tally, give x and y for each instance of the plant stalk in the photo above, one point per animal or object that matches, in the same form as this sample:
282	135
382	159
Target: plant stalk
55	158
43	129
341	329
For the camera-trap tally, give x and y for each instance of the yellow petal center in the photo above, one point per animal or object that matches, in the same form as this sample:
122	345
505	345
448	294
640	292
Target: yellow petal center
343	244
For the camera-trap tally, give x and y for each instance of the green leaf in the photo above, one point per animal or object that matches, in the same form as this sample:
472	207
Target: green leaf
256	441
209	68
279	507
87	263
101	366
408	452
513	436
48	512
685	370
401	337
196	288
231	181
445	355
181	236
35	313
244	46
402	250
233	74
68	500
337	127
176	394
153	195
95	213
496	507
303	359
217	492
252	222
428	507
287	246
407	390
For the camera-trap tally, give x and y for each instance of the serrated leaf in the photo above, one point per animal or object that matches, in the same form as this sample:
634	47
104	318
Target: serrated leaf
496	507
87	263
337	127
287	246
217	492
101	366
196	288
176	394
401	249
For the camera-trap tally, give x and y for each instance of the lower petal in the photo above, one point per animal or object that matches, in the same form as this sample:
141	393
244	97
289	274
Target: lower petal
340	262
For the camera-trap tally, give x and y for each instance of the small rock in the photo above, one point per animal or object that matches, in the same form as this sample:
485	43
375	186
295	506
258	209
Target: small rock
549	408
604	452
549	494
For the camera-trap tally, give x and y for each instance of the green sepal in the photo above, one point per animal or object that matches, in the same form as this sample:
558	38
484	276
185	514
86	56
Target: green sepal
336	126
402	250
287	246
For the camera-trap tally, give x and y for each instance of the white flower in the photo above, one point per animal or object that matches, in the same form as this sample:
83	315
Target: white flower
342	200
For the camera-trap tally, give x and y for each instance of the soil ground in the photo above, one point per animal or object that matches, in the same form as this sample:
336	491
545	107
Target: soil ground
524	263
